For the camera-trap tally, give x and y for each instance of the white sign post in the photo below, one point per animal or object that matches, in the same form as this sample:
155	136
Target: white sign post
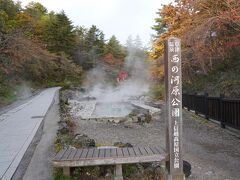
173	88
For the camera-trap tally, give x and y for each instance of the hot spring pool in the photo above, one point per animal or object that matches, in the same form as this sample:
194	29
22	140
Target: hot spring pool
113	109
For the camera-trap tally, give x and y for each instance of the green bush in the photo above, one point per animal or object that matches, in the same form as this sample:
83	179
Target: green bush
157	92
129	169
58	175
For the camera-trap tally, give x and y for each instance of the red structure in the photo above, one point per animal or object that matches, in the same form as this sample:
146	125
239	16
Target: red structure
122	75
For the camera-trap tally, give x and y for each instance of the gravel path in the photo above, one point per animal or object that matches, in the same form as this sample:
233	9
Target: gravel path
213	153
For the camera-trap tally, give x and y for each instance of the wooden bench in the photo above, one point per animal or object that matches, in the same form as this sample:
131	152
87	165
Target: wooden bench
107	156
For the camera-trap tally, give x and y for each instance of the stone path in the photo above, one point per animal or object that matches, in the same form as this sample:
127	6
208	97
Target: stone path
17	129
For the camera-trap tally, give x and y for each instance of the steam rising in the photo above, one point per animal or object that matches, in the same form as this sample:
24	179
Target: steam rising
24	91
110	99
136	84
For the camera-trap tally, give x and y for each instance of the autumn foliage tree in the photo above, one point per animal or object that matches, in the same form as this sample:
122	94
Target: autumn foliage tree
26	36
209	31
45	48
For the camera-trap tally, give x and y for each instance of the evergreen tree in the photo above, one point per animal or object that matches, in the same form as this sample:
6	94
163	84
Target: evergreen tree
95	41
59	34
160	27
35	10
138	42
8	12
90	46
114	47
10	8
129	42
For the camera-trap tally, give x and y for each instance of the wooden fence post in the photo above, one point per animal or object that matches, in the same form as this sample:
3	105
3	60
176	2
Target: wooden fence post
221	110
173	90
188	101
195	102
206	105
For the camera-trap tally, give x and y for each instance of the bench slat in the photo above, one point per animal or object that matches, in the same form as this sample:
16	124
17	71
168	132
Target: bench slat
95	153
60	154
148	150
119	152
110	161
125	152
66	154
154	150
84	154
159	150
137	152
143	151
114	152
78	154
90	153
108	152
131	152
72	154
101	153
92	156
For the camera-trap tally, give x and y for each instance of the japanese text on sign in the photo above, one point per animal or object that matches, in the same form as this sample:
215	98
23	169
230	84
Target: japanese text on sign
175	100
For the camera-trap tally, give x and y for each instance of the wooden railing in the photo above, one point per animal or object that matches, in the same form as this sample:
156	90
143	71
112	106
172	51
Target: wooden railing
224	110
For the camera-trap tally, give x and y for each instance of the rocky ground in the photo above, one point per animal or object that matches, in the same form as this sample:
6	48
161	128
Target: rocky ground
212	151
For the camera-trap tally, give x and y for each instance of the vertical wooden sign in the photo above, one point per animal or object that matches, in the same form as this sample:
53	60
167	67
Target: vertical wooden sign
173	95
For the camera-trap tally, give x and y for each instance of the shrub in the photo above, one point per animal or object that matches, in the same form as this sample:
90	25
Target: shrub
157	92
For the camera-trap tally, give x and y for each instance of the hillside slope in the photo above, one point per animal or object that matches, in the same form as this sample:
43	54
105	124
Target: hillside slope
224	79
25	62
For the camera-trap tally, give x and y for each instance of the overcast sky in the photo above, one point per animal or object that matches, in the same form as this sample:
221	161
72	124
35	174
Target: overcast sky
114	17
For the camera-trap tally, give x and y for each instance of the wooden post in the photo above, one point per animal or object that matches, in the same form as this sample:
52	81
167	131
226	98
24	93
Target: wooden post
195	103
66	171
173	97
188	101
118	172
206	106
221	111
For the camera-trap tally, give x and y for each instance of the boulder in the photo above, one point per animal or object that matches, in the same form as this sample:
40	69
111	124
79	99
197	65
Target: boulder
117	120
134	119
69	94
141	118
63	128
82	140
187	168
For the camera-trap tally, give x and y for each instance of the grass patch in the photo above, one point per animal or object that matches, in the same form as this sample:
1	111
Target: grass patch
129	170
58	175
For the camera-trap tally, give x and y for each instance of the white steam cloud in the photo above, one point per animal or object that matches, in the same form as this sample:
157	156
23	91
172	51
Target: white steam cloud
110	98
137	84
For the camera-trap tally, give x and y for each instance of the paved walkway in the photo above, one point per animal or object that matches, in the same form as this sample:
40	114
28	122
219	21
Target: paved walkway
17	129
